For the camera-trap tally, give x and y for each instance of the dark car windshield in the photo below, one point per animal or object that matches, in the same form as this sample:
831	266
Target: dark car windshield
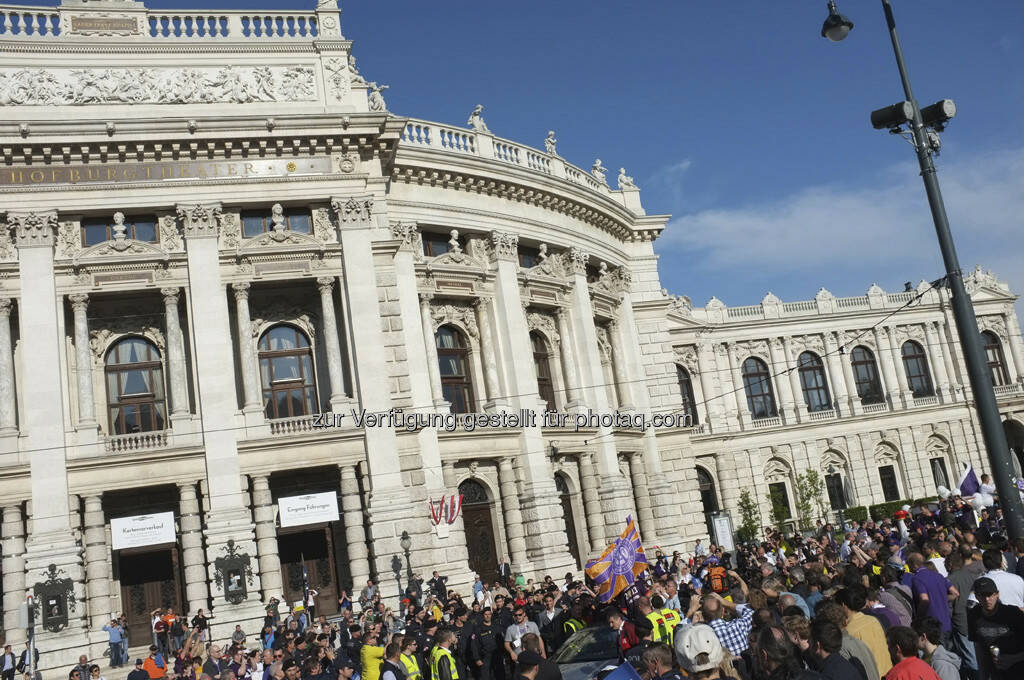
590	644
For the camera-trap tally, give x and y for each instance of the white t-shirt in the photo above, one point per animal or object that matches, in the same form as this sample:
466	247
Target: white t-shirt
1011	588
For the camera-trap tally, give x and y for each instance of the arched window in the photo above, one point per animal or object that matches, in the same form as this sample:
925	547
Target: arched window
542	362
812	380
996	361
686	393
453	360
135	387
286	369
865	374
758	384
915	363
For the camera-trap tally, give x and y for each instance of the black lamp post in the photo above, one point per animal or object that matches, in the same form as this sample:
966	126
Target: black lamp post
926	142
406	542
396	567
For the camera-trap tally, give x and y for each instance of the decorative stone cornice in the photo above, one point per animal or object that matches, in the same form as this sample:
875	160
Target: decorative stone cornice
200	220
506	245
33	229
579	260
353	211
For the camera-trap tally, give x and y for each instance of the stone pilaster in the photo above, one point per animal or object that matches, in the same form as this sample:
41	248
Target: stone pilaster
947	358
339	399
488	357
83	361
645	518
97	570
739	392
176	366
714	409
355	533
430	345
13	533
896	357
791	397
836	378
1013	332
619	369
266	537
8	400
570	371
513	516
852	406
246	347
193	559
938	363
592	503
883	355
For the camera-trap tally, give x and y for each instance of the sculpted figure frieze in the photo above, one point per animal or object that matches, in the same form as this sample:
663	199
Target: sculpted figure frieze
229	84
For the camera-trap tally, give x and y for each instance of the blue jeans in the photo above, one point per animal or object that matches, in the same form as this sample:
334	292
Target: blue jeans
964	648
115	654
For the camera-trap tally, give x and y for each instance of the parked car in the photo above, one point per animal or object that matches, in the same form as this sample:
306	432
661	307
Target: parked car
586	652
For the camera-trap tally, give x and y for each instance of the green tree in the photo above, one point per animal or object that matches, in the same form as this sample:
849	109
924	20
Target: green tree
779	511
750	518
810	495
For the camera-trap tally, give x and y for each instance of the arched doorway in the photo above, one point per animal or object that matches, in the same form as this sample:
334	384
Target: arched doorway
1015	438
476	516
708	497
570	522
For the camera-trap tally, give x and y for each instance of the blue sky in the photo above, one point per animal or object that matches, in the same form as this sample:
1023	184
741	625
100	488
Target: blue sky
738	119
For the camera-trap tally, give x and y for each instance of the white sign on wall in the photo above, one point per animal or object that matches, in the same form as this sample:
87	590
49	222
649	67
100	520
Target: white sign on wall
140	530
311	508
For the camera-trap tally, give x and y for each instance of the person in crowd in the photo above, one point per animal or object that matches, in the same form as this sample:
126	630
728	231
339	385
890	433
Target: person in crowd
945	663
906	664
997	631
138	673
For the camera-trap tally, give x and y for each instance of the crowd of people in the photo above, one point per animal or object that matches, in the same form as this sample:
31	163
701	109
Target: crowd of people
933	593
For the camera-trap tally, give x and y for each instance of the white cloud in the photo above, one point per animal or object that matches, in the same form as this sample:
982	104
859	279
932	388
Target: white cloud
856	235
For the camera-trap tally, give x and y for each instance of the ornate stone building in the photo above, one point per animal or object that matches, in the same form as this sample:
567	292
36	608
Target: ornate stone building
220	250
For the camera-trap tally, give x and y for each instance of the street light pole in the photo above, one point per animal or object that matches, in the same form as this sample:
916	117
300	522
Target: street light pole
966	324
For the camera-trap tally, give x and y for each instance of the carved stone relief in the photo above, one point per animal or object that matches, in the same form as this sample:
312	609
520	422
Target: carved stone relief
460	315
544	323
687	357
275	313
100	340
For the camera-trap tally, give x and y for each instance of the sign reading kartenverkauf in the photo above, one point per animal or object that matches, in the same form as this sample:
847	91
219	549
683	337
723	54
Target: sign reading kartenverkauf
308	509
141	530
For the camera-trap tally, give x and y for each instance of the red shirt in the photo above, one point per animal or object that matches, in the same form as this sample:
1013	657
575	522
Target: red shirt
912	668
627	636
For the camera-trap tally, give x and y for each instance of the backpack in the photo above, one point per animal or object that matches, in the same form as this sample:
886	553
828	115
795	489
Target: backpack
717	580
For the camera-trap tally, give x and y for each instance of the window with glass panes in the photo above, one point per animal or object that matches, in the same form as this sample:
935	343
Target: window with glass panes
865	375
542	364
836	493
286	373
135	387
915	363
96	230
257	222
453	361
996	360
779	496
812	381
757	383
436	243
528	257
890	488
939	473
686	393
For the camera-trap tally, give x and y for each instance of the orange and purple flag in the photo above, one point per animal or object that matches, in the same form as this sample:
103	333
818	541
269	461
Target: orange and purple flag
618	566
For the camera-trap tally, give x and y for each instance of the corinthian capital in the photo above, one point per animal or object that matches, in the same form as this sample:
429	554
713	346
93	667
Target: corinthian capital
79	302
506	245
355	211
406	233
199	219
34	229
580	260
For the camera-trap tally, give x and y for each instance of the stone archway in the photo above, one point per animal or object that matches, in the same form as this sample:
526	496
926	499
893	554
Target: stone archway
480	536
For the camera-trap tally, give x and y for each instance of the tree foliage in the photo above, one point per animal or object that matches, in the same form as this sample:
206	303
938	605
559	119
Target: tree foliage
750	518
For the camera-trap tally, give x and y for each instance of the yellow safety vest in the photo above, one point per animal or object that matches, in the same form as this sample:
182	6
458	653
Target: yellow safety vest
435	660
412	667
660	630
672	619
571	626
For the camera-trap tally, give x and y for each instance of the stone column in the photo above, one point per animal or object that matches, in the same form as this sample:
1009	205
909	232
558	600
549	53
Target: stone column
836	375
333	345
789	397
938	355
83	361
897	363
846	361
193	558
8	403
513	514
739	392
644	511
592	503
430	344
713	407
947	358
13	532
1013	332
246	348
494	401
355	532
176	366
569	368
622	385
883	356
266	536
97	570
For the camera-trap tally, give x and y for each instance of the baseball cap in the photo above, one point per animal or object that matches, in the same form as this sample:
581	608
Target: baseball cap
695	640
138	662
528	658
289	663
985	586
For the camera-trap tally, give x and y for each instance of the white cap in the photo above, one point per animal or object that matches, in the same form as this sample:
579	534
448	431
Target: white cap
695	640
905	508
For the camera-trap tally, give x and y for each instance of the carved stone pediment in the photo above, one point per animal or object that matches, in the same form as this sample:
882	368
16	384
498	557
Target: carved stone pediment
123	247
555	266
101	339
459	315
277	313
687	358
613	283
283	237
545	323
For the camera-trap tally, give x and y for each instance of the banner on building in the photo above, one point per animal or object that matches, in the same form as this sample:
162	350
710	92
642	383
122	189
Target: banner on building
312	508
142	530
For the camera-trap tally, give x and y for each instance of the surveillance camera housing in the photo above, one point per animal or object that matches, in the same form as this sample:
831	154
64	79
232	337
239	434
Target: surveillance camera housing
892	117
938	114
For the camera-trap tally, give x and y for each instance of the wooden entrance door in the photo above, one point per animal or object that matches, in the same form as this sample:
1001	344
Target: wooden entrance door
149	580
313	548
476	517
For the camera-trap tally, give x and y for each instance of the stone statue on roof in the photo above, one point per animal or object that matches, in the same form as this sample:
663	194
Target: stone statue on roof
476	119
549	142
599	172
625	181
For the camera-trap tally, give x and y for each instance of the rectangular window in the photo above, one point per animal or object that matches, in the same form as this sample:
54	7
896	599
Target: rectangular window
96	230
435	243
528	257
890	489
938	466
836	493
780	500
257	222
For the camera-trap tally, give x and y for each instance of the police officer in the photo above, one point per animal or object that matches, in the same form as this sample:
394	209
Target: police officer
659	629
409	658
485	649
670	616
442	663
573	622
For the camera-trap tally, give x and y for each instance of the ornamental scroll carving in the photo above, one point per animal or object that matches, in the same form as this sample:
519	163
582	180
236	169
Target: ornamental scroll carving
278	313
687	358
916	332
604	345
230	84
407	233
535	321
460	315
505	245
555	265
353	210
806	343
33	229
993	324
100	340
338	77
612	282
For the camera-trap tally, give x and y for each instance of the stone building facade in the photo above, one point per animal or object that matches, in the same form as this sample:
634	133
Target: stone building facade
219	248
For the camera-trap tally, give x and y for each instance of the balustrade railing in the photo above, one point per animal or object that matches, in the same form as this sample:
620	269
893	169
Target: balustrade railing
292	425
828	414
138	441
1007	390
28	22
876	408
925	401
760	423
